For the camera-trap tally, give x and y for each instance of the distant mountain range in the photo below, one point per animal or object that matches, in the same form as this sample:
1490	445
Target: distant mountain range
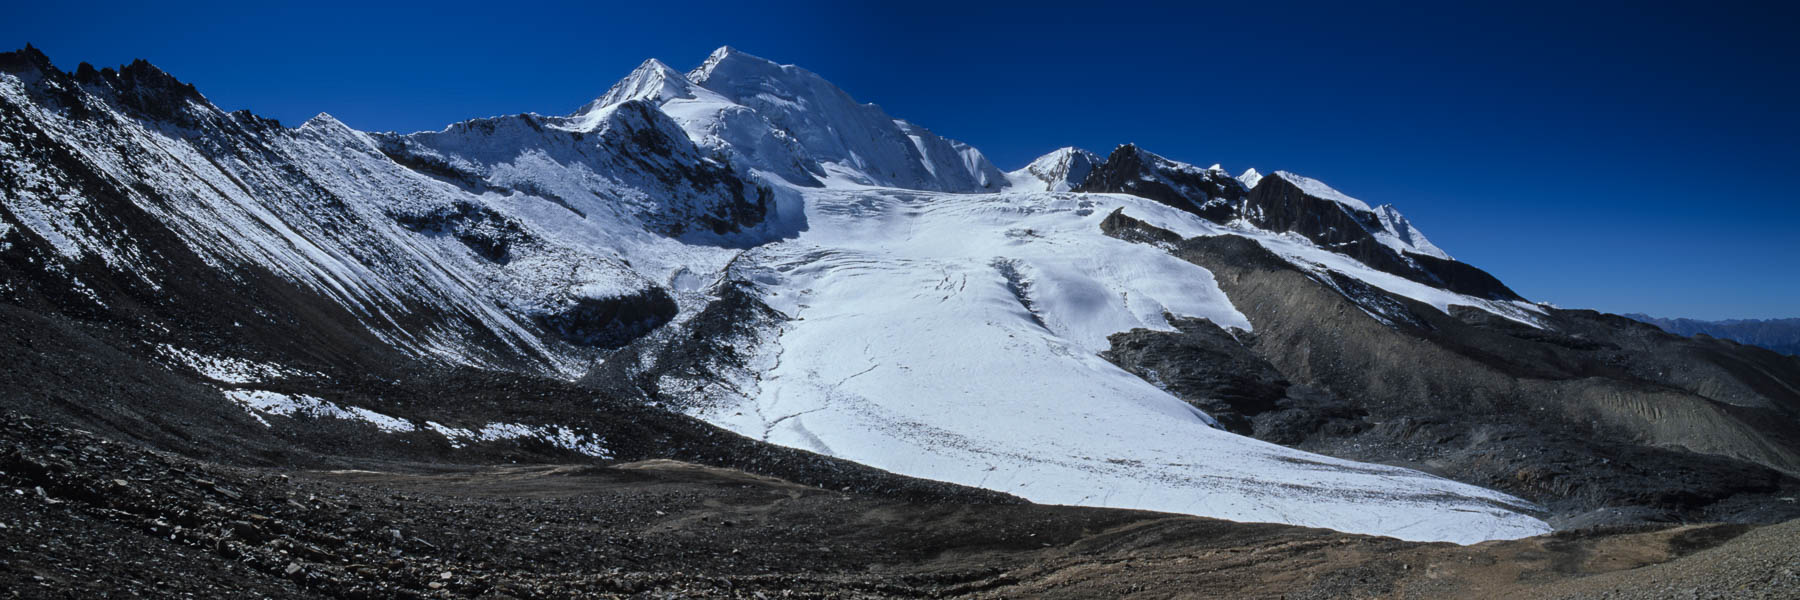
1780	335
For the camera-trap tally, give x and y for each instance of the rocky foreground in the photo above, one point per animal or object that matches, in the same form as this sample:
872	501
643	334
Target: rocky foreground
85	517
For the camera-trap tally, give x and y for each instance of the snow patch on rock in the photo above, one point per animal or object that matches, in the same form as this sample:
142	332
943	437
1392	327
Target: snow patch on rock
555	435
224	369
1318	189
302	405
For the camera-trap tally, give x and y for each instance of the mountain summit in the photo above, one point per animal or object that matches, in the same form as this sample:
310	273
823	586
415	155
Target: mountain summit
652	81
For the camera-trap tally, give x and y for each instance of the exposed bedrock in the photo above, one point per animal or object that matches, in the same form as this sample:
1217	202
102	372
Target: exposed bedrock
1218	371
613	321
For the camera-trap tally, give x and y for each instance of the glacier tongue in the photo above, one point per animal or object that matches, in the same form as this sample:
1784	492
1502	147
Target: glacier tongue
954	337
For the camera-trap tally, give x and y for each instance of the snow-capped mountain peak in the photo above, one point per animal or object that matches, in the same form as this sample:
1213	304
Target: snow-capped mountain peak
725	54
652	81
1250	178
1403	235
849	141
1059	171
323	119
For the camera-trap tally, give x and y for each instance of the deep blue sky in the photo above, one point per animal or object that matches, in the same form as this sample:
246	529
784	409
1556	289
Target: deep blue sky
1626	157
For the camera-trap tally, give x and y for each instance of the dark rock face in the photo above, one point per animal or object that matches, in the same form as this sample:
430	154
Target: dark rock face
711	350
611	322
1599	418
489	234
1209	367
746	203
1117	224
1130	170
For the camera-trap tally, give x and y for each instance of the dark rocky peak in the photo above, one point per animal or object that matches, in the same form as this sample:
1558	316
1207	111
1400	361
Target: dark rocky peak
1283	202
44	82
140	81
1210	193
256	122
25	60
139	88
142	76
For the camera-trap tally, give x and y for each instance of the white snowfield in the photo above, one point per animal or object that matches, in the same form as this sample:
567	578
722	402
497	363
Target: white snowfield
949	336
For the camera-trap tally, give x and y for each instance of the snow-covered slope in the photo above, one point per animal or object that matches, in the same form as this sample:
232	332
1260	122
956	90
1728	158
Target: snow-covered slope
500	242
955	158
218	190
